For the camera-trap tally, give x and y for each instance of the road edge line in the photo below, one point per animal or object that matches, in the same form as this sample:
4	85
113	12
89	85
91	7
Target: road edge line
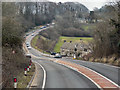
44	79
99	74
29	84
81	73
103	77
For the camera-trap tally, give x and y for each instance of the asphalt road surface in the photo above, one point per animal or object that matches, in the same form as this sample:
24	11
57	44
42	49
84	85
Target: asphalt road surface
59	76
108	71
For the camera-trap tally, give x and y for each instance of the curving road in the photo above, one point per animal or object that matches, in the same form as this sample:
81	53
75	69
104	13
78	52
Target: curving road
59	76
108	71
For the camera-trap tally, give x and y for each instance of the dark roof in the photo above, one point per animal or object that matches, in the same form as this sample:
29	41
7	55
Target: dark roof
71	46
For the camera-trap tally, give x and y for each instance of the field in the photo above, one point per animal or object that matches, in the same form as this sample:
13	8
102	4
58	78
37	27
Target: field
68	39
87	27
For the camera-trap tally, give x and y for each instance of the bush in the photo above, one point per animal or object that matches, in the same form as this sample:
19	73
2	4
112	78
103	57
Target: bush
13	65
11	33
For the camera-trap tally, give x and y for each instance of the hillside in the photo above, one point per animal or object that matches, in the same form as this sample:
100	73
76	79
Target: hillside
77	6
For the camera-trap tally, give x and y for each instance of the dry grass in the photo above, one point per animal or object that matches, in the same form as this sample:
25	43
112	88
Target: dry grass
111	60
117	63
23	81
91	59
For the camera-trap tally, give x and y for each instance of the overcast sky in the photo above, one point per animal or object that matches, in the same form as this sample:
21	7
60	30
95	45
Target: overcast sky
90	4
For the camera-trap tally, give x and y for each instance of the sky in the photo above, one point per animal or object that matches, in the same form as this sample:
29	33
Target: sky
90	4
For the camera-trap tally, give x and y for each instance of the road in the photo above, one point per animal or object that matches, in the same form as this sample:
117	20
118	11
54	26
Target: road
106	70
59	76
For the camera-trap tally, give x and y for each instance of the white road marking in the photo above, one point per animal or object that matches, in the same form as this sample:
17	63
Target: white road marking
82	74
44	79
112	66
102	76
28	86
105	78
96	73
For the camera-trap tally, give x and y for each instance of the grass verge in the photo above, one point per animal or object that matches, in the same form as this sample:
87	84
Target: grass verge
23	81
33	44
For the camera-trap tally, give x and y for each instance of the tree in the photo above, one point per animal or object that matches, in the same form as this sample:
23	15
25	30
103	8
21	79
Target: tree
107	34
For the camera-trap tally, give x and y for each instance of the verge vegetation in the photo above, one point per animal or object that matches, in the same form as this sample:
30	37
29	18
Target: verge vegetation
106	45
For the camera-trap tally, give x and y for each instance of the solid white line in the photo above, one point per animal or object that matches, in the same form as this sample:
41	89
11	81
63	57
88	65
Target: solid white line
102	76
28	86
82	74
44	79
103	64
112	66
